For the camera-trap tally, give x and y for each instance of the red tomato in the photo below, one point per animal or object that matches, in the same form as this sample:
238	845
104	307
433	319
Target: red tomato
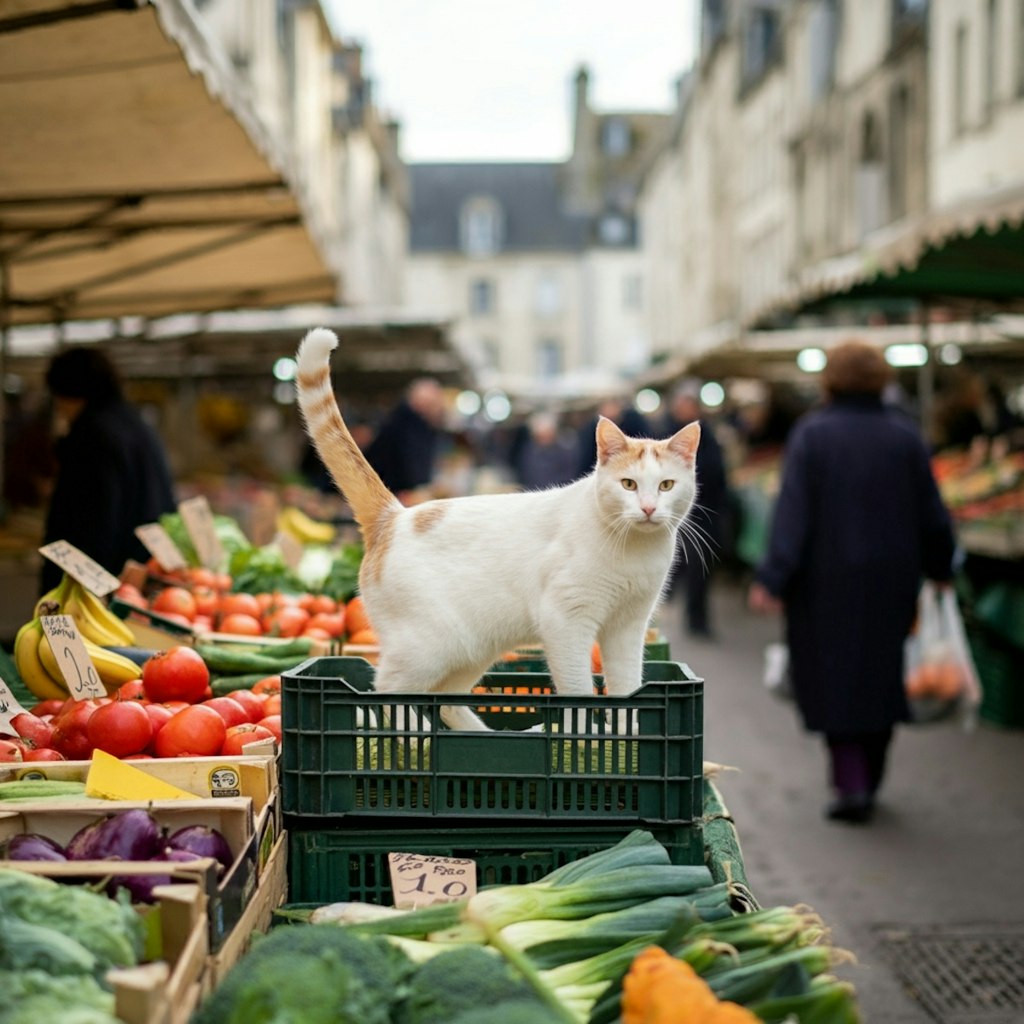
333	623
268	686
238	735
238	604
178	673
138	757
130	594
206	599
229	709
44	754
159	714
272	705
251	702
224	582
70	735
48	707
32	730
313	633
132	690
175	705
239	622
11	750
305	602
120	728
273	723
203	623
174	601
201	578
197	731
287	621
323	604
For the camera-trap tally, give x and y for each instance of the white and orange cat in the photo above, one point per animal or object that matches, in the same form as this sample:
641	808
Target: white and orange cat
452	584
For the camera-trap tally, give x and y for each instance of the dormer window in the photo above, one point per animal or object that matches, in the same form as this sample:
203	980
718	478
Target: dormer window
613	229
616	137
481	226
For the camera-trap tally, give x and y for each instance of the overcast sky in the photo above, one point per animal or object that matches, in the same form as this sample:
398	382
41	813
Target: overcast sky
492	79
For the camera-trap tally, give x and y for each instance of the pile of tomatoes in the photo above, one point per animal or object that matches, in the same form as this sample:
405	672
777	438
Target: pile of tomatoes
204	601
167	712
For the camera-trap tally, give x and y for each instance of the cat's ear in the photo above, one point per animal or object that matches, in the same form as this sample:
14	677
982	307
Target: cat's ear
610	440
684	442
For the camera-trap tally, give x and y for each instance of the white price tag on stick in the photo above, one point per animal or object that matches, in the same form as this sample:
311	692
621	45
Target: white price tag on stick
157	541
78	564
198	521
73	659
291	549
9	707
419	880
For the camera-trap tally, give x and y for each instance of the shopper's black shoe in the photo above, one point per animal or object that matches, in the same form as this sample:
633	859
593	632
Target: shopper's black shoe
854	808
701	632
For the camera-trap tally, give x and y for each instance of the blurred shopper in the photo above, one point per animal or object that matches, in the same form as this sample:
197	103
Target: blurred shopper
546	458
404	451
701	541
857	525
623	415
112	470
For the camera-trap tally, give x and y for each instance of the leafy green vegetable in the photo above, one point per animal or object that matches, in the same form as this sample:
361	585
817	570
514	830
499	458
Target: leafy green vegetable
342	582
310	974
25	946
228	531
33	996
262	570
109	928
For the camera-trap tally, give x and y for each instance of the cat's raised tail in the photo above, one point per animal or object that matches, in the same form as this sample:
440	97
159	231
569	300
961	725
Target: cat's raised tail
352	474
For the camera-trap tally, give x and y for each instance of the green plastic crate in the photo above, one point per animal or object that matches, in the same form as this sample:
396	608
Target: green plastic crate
635	758
532	659
351	864
1000	666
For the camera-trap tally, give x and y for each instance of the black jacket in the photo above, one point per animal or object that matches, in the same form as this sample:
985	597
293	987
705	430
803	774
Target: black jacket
112	475
858	523
404	450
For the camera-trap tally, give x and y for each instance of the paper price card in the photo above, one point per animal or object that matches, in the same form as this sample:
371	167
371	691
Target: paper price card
76	563
291	549
198	521
418	880
73	659
157	541
9	707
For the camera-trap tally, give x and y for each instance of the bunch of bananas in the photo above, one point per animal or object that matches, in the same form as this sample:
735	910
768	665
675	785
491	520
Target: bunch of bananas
99	628
303	528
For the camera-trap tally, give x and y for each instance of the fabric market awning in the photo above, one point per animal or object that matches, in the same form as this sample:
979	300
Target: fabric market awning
134	177
969	255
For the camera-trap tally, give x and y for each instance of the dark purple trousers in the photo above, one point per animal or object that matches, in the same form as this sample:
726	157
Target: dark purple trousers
857	761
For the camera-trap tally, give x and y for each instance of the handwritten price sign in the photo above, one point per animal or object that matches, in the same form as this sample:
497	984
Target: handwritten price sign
9	707
198	519
418	880
158	543
73	659
81	567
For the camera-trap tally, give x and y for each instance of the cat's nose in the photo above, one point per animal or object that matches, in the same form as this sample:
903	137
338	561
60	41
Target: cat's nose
648	510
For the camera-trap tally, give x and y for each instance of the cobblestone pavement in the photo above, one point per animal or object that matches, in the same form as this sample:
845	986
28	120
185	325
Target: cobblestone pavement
943	858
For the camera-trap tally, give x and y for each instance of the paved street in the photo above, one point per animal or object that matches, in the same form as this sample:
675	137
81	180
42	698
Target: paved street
943	861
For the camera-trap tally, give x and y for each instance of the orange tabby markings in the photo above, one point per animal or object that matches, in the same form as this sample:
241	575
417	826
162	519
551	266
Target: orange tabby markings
427	516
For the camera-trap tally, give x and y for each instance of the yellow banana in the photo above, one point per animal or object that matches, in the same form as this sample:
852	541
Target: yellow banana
30	667
112	668
44	606
304	528
96	622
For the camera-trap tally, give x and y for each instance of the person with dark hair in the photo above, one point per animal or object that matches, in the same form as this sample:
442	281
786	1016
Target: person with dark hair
112	470
858	524
623	414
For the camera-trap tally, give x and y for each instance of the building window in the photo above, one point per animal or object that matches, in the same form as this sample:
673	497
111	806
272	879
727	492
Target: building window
616	137
632	291
762	43
871	205
823	37
481	296
960	80
481	226
899	150
548	296
613	229
549	358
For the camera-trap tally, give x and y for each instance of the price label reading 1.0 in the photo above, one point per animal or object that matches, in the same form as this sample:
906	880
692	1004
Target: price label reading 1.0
418	880
79	565
158	543
73	659
9	707
198	519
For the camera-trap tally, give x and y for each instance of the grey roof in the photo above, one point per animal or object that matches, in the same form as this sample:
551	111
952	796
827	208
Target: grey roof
529	194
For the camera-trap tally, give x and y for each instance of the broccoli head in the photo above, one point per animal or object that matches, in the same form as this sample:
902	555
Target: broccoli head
310	974
463	979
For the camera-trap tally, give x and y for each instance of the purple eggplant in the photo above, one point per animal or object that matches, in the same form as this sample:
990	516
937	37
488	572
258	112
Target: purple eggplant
30	846
124	835
204	842
140	887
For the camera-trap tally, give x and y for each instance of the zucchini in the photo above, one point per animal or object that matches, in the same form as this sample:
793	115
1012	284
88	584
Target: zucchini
40	789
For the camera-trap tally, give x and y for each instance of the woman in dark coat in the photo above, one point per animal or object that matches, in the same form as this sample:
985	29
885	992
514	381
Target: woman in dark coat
858	524
112	471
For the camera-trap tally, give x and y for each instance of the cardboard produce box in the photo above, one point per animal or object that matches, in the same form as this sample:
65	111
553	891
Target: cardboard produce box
251	838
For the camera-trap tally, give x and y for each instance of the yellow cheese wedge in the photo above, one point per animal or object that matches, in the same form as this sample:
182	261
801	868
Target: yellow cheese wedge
112	779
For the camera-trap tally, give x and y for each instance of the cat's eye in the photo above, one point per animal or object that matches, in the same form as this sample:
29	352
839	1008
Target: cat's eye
630	485
666	485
